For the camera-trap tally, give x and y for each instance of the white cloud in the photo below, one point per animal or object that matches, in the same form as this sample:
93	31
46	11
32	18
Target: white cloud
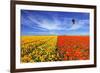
50	25
56	24
44	23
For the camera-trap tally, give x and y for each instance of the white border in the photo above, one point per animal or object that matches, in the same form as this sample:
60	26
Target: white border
58	63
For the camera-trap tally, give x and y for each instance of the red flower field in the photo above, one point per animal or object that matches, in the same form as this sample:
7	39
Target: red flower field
73	47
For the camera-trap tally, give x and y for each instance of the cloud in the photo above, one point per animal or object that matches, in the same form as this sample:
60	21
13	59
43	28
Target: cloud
56	24
45	23
50	24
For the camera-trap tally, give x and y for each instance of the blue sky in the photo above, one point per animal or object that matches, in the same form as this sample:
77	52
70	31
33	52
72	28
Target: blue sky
54	23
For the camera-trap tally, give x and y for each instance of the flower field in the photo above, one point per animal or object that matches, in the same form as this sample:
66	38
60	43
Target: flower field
73	47
54	48
39	49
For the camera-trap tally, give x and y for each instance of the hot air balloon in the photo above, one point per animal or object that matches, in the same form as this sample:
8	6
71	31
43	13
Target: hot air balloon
73	21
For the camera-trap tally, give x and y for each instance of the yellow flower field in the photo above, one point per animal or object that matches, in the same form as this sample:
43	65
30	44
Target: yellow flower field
39	49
